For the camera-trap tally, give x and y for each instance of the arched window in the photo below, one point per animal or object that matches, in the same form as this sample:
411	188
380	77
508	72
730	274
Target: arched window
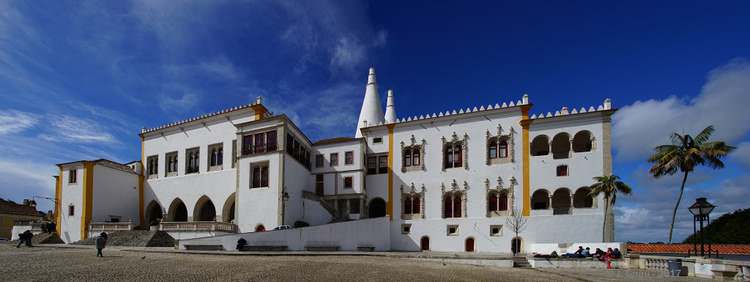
452	204
561	146
503	149
412	204
540	200
561	201
540	146
582	141
582	198
453	156
492	148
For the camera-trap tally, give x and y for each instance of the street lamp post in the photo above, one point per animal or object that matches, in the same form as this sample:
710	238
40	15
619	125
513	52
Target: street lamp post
700	210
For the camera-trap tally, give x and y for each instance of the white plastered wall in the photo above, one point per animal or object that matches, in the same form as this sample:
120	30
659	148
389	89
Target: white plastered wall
72	194
115	193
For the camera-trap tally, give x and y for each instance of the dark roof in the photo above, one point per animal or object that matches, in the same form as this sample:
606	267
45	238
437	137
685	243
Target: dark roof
9	207
335	140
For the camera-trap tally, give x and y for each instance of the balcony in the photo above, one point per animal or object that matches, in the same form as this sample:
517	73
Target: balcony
198	226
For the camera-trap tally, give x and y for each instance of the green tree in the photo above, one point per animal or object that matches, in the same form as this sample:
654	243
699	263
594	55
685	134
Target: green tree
684	155
609	185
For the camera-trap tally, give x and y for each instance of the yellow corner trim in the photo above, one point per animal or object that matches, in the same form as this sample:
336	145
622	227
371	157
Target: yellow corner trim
525	122
389	203
88	198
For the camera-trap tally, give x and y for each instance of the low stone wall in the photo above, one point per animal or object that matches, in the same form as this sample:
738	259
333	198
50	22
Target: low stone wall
573	263
694	266
345	236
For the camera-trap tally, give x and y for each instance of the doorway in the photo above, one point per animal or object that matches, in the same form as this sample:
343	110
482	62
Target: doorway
469	245
424	243
515	245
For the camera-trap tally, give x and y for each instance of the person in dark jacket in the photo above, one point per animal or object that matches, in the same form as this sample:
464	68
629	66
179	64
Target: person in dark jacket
21	239
101	242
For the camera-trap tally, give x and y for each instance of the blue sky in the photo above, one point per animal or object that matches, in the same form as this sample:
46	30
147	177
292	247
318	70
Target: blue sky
78	79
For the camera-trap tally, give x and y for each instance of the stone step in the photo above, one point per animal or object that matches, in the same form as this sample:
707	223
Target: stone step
134	238
322	248
264	248
204	247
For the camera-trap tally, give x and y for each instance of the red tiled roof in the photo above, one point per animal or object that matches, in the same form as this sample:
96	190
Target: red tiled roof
730	249
8	207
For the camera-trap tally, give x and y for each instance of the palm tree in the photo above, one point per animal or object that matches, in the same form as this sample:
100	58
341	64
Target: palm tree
609	185
683	155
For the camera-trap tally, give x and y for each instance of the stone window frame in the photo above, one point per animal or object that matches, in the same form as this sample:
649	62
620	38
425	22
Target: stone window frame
349	158
413	144
260	165
454	190
509	190
406	228
169	169
500	230
192	160
319	160
455	227
333	159
73	176
152	166
510	158
464	149
219	165
412	191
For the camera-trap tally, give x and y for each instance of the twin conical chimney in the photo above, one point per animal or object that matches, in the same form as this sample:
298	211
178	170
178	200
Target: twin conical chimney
371	112
390	108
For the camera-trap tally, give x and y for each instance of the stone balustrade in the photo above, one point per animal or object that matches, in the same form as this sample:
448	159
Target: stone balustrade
194	226
96	227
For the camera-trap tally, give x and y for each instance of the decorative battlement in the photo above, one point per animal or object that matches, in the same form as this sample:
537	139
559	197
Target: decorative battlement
524	101
606	106
257	102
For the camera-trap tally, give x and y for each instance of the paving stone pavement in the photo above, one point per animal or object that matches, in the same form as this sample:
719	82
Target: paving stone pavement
81	264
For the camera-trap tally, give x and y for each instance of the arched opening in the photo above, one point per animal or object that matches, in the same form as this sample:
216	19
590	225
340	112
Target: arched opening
424	243
227	213
540	200
582	141
452	206
204	210
153	213
376	208
469	244
582	198
260	228
515	245
561	201
561	146
540	146
177	211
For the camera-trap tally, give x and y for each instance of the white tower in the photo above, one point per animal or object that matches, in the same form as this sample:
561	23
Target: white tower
371	112
390	108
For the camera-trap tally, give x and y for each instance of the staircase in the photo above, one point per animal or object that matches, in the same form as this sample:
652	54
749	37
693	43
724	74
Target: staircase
521	262
45	238
134	238
314	197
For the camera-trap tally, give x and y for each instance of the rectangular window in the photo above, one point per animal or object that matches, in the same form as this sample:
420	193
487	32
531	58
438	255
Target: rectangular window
72	175
247	145
349	158
234	153
319	184
354	206
383	164
411	156
562	170
171	164
334	159
372	165
260	143
319	160
271	141
152	166
259	175
452	230
405	228
71	210
496	230
453	155
348	182
377	140
192	160
290	145
215	156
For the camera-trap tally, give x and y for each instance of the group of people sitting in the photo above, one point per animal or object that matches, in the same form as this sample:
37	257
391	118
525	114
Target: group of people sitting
586	253
598	254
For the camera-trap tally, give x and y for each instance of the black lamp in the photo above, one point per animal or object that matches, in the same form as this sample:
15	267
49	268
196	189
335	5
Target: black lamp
700	210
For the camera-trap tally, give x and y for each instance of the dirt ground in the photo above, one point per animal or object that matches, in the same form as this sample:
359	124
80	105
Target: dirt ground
74	264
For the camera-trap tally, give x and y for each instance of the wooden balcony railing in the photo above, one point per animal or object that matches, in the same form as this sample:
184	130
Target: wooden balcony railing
189	226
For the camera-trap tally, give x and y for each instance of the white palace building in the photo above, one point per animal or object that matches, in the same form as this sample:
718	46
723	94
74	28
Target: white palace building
445	181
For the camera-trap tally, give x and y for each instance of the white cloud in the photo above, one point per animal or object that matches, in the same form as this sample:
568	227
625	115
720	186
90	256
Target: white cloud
742	153
80	130
181	103
347	55
12	121
23	179
722	102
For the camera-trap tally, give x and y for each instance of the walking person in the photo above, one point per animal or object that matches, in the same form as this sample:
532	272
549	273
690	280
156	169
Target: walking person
101	242
21	239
